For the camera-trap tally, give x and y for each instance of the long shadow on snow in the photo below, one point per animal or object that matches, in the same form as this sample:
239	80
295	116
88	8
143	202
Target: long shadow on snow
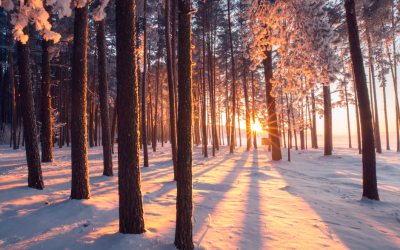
326	214
210	205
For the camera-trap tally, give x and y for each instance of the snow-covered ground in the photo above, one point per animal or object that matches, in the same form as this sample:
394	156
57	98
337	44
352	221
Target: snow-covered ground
241	201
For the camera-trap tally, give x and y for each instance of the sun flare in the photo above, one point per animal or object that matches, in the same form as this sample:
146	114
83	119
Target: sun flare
256	126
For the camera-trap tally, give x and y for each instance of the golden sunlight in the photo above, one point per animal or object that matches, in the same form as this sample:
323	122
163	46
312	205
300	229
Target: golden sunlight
256	126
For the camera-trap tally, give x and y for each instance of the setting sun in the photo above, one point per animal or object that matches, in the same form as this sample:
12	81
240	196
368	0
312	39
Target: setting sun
256	126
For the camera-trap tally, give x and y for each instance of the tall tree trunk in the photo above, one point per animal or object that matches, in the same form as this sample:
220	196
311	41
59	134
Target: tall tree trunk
91	111
14	87
60	111
80	172
253	109
233	81
314	121
114	124
272	119
357	116
386	119
131	214
144	91
184	201
35	179
327	121
156	99
302	126
103	96
227	121
394	78
170	76
348	115
370	188
173	56
47	127
289	130
204	118
371	65
246	99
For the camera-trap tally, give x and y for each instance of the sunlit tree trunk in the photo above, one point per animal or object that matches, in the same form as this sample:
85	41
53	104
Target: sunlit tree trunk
103	96
80	172
144	91
348	115
233	81
370	189
253	109
170	76
131	214
327	121
35	179
314	121
272	118
47	131
204	117
371	65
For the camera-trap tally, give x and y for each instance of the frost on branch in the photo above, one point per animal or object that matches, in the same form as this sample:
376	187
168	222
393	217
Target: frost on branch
7	5
33	11
99	13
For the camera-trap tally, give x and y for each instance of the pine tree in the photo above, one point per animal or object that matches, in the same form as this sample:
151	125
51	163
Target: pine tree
35	179
103	95
370	189
184	201
131	214
80	171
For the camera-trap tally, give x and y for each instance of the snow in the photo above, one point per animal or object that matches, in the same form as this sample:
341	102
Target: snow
241	201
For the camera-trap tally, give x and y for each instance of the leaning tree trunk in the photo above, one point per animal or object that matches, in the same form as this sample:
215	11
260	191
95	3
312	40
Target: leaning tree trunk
272	119
35	179
370	188
80	172
103	95
184	201
327	121
170	76
131	214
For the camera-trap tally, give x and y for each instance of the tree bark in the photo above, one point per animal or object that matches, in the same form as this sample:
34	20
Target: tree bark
131	214
47	129
327	121
371	65
144	90
184	201
253	109
370	188
233	82
170	76
272	119
348	115
35	179
314	122
80	172
103	95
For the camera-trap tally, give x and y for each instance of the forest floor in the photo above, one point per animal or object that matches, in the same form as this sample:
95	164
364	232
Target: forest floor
241	201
